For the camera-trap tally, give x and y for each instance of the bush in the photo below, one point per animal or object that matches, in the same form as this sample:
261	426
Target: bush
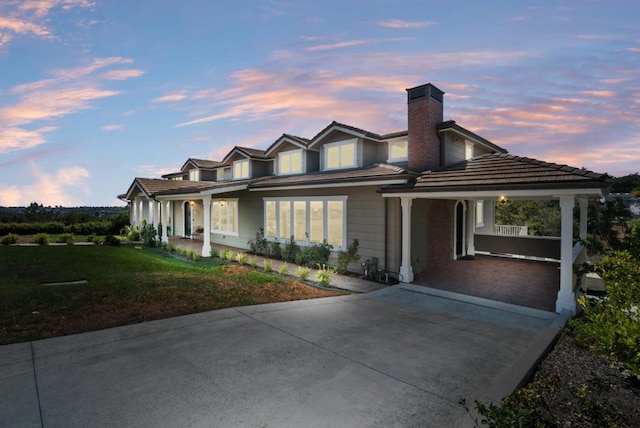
259	244
324	275
241	258
91	237
275	250
66	238
252	261
98	240
112	240
229	255
41	238
149	235
267	265
290	251
346	257
9	239
131	232
303	272
214	252
611	326
314	255
283	269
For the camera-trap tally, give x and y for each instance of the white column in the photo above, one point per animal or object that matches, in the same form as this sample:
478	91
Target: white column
584	204
165	220
566	298
206	245
406	270
471	227
153	212
133	216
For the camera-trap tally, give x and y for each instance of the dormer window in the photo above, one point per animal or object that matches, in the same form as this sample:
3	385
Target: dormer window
220	174
290	162
398	151
241	169
339	155
194	174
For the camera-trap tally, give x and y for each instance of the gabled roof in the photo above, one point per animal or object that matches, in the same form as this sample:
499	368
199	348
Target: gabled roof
501	171
375	172
201	163
336	126
301	142
451	125
154	186
248	152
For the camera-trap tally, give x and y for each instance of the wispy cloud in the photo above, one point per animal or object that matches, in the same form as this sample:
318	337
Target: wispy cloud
171	97
398	23
68	91
338	45
113	127
121	74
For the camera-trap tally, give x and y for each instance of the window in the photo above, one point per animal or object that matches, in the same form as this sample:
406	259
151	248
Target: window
290	162
479	213
468	149
194	174
340	155
307	219
220	174
398	151
241	169
224	216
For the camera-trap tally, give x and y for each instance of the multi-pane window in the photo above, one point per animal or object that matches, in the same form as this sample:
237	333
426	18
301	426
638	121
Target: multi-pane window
220	174
194	174
398	150
307	219
340	155
241	169
479	213
290	162
224	216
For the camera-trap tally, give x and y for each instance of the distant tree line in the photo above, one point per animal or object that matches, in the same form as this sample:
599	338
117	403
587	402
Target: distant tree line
37	218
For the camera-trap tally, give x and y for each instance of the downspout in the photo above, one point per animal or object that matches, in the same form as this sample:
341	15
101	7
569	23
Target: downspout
386	235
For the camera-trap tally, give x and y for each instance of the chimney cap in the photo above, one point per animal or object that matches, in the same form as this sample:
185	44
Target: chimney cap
425	91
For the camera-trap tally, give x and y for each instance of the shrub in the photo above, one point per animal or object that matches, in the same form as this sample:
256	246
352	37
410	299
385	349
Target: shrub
66	238
259	244
91	237
149	235
229	255
314	255
324	275
611	326
214	252
252	261
283	268
112	240
41	238
275	250
131	232
303	272
241	258
9	239
98	240
267	265
290	251
194	255
346	257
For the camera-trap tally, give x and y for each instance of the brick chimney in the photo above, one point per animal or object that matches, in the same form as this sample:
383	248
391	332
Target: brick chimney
424	114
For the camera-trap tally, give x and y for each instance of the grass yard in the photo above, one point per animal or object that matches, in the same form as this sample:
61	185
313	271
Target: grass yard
125	285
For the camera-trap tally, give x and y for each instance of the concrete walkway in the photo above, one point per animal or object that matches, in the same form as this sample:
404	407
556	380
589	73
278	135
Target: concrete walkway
394	357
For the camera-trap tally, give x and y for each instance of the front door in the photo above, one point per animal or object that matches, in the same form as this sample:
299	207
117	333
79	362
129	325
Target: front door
459	229
187	219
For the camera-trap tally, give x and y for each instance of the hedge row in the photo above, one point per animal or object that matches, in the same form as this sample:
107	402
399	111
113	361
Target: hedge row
104	227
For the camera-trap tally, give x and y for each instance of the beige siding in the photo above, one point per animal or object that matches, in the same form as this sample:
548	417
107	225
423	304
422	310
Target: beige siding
374	152
454	149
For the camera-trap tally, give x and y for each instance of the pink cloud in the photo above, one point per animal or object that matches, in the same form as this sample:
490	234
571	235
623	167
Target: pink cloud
110	128
172	97
601	94
338	45
398	23
23	27
121	74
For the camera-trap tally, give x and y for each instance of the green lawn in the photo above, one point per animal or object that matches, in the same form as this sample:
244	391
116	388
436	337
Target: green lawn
125	285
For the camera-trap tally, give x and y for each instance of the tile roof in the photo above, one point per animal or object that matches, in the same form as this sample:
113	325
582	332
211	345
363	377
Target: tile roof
350	128
451	124
495	171
375	172
155	186
206	164
252	153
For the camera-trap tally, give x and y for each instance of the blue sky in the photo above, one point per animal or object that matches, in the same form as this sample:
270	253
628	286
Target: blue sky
94	93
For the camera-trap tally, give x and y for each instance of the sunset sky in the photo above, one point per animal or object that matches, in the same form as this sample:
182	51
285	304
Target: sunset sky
94	93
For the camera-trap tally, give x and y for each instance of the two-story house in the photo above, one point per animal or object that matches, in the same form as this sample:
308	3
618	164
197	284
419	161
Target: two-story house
412	199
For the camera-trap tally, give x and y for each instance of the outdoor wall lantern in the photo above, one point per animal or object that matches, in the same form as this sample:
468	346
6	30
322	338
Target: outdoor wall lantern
502	199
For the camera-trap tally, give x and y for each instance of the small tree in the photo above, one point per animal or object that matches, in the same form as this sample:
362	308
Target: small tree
149	235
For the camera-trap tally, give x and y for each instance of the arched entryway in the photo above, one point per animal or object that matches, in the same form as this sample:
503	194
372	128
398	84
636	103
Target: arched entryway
187	219
459	236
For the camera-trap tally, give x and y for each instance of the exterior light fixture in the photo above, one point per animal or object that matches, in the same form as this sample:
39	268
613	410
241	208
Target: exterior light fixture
502	199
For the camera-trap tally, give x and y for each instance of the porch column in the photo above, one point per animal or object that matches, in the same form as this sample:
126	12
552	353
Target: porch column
406	270
153	205
133	216
584	204
165	220
206	245
471	227
566	298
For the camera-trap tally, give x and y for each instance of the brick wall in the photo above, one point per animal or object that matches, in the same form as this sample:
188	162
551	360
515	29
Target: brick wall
425	112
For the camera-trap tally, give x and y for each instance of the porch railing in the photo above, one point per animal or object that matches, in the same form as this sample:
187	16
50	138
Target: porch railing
510	230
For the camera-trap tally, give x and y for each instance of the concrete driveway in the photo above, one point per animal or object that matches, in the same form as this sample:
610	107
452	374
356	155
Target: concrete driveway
395	357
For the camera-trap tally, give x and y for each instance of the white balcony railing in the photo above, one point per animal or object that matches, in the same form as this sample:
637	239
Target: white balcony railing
510	230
